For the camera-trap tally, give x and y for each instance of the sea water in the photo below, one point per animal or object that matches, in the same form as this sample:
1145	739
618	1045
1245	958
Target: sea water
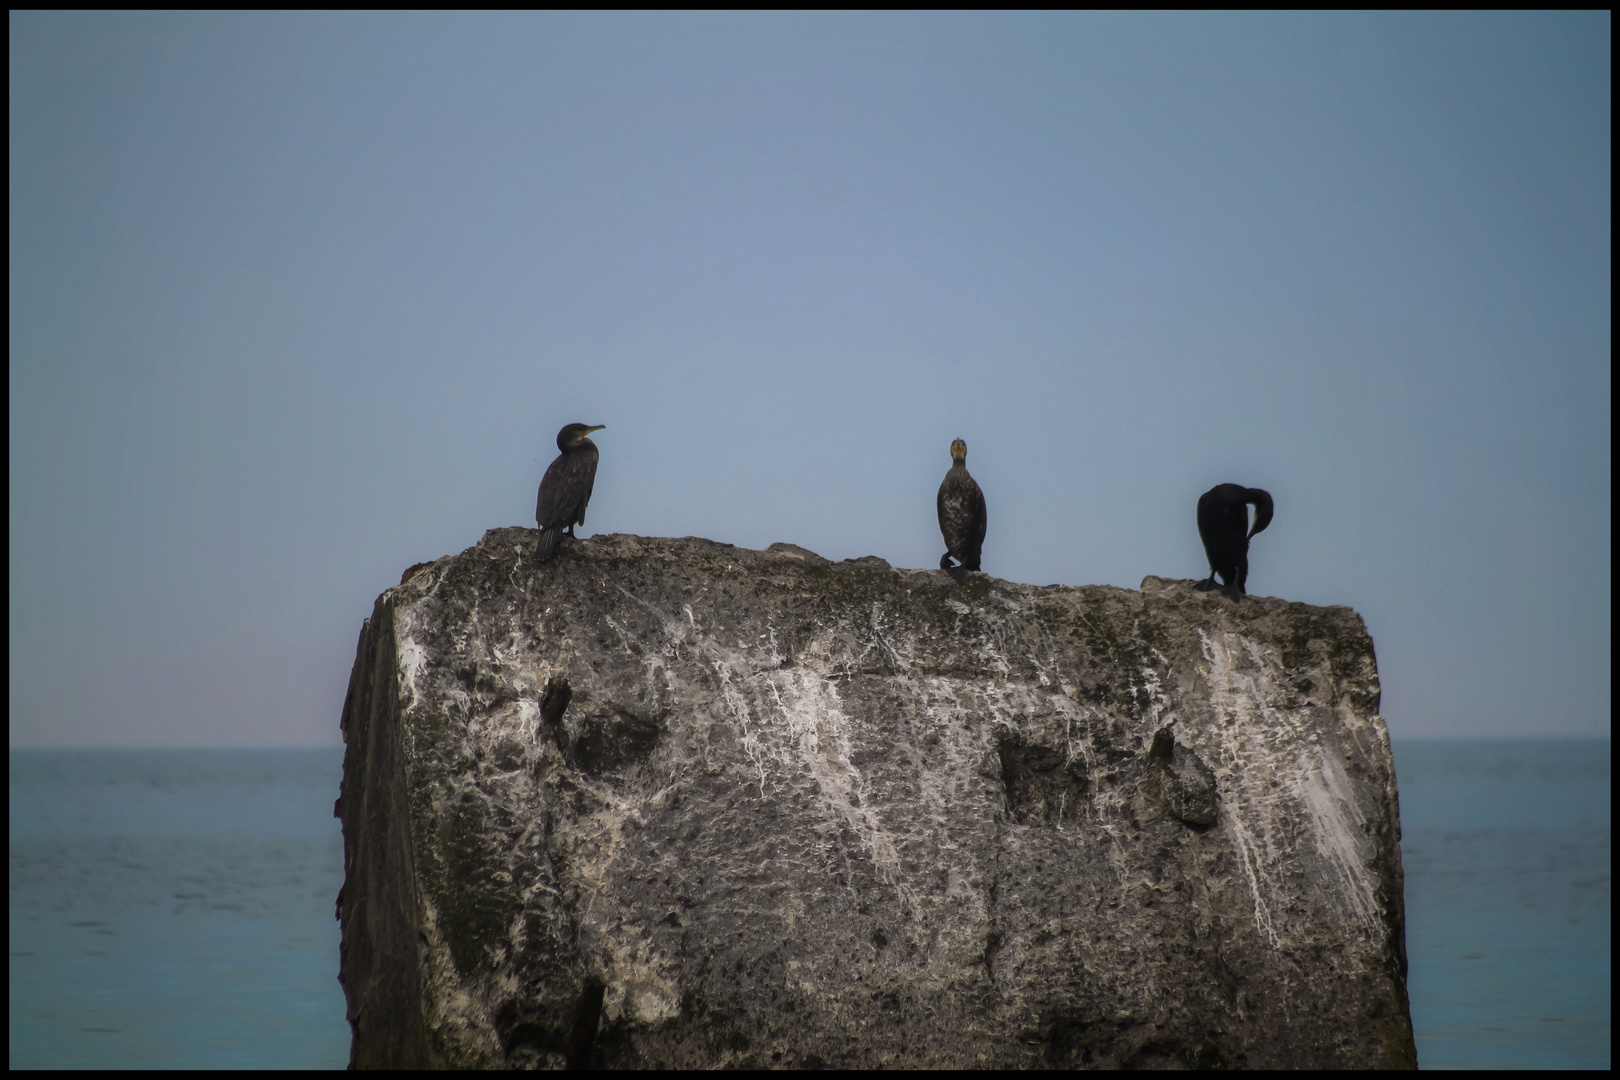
1506	848
174	909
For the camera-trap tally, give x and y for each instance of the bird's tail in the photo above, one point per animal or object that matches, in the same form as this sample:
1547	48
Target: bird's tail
549	539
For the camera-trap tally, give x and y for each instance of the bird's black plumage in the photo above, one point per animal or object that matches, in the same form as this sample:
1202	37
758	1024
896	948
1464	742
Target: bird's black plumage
565	490
1223	526
962	518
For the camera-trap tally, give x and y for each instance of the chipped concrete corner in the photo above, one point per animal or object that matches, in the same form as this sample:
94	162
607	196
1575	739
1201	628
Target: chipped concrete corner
670	803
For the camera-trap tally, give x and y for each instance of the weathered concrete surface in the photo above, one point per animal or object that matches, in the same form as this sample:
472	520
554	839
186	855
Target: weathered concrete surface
796	813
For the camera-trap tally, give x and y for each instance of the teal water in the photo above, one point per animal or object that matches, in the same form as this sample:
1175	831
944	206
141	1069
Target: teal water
174	909
1506	850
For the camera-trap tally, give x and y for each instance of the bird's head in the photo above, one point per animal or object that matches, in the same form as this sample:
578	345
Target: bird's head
958	451
1263	509
574	434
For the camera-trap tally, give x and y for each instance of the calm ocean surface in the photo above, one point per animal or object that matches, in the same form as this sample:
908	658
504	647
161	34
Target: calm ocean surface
175	908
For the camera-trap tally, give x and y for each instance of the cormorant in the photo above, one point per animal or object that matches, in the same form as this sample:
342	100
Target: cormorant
565	490
961	514
1223	526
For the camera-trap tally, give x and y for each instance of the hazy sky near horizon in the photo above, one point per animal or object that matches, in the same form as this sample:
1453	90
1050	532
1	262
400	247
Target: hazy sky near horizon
298	300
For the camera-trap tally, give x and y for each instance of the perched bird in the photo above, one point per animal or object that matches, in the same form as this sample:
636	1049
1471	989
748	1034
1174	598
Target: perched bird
565	490
961	513
1223	526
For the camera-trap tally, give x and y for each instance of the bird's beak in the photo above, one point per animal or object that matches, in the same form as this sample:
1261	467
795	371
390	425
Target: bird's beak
598	427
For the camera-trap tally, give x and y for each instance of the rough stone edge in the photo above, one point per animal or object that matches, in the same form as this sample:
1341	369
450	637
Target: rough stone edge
379	966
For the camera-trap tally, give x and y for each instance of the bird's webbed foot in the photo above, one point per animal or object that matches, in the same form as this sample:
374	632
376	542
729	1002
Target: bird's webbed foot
1233	592
959	574
1207	585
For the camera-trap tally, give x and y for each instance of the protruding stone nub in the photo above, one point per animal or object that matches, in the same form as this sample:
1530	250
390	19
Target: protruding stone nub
553	702
1186	784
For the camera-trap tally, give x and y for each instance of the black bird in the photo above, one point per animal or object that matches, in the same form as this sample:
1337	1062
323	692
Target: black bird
961	514
1223	526
565	490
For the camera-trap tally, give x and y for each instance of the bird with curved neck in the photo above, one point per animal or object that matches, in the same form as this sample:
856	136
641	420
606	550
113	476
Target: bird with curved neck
1223	526
565	490
962	517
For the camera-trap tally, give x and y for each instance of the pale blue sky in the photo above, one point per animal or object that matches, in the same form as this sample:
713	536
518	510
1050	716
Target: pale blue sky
298	300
